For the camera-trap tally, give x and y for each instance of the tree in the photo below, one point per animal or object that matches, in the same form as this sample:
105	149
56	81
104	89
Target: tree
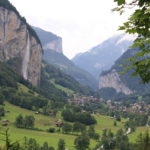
122	142
2	98
19	121
143	141
29	121
45	146
108	140
138	23
82	142
78	127
91	132
9	145
2	111
67	128
115	123
61	144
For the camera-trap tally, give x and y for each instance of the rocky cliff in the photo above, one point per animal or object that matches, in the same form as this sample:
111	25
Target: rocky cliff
55	45
19	43
112	80
122	83
49	40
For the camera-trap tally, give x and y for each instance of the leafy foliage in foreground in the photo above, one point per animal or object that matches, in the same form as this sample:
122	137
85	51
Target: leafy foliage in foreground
138	23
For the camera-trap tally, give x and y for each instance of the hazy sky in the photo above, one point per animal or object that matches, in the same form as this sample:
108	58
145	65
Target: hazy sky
81	23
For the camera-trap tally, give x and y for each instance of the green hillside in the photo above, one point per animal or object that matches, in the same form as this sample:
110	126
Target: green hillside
54	77
42	123
65	65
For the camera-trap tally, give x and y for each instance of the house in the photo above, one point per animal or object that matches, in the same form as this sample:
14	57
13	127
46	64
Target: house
5	122
59	123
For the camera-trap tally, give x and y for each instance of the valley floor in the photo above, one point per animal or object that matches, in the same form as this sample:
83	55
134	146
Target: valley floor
45	122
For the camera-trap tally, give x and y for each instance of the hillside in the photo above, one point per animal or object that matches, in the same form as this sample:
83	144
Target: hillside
115	82
103	56
54	77
53	54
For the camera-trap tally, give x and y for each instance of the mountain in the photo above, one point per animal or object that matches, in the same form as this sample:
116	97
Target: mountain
103	56
49	40
19	43
54	82
126	84
21	57
53	54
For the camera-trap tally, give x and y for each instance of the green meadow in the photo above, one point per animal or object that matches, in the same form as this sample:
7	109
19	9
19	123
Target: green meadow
45	122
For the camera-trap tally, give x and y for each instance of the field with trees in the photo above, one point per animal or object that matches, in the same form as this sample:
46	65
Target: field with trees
45	130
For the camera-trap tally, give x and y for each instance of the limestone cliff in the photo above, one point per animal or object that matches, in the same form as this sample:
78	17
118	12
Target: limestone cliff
55	45
49	40
17	42
112	80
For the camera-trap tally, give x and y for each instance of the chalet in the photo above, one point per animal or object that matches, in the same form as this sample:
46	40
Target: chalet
5	122
59	123
37	112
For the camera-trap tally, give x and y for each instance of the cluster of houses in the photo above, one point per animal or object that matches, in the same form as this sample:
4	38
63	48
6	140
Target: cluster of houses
79	99
138	108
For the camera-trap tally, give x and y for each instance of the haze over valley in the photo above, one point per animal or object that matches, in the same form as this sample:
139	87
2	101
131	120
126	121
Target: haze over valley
69	80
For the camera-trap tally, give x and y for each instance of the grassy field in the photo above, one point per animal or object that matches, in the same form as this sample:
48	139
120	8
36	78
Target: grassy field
68	91
107	122
45	122
41	122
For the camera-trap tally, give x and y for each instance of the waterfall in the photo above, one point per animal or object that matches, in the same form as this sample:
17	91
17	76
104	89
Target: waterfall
26	59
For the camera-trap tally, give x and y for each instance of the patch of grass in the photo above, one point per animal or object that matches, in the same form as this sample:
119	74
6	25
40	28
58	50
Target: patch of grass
24	89
68	91
107	122
41	121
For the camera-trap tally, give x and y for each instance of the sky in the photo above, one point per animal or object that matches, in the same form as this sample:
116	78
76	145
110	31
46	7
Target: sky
82	24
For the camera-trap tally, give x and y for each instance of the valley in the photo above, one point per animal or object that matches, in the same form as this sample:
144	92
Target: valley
45	122
99	100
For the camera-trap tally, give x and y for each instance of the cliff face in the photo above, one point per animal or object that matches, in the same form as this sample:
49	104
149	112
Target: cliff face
49	40
17	43
123	83
112	80
55	45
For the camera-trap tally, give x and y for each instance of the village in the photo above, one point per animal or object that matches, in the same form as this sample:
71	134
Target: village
137	107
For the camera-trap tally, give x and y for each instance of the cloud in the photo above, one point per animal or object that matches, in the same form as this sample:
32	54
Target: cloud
81	23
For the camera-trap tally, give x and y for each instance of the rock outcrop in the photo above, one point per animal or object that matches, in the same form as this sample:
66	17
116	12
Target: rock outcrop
112	80
55	45
18	43
49	40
